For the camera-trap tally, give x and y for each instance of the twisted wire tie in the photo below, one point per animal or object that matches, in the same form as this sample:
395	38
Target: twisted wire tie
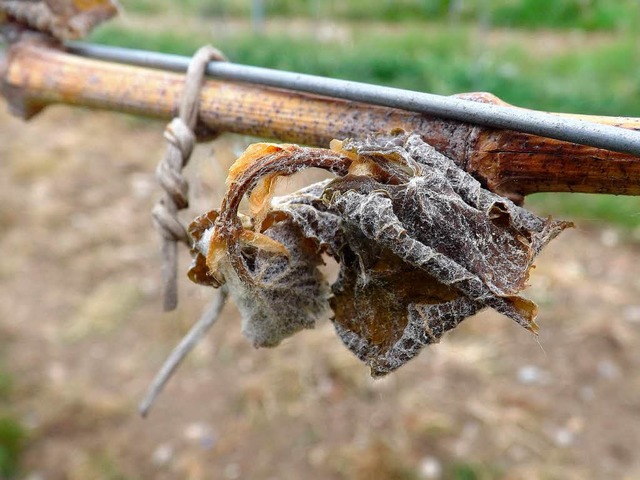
181	140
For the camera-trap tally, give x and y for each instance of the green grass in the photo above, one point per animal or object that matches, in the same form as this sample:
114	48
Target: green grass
584	14
12	438
471	471
12	433
587	15
599	80
594	209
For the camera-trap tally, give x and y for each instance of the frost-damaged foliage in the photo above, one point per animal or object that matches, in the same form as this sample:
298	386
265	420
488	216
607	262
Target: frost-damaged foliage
64	19
288	292
420	244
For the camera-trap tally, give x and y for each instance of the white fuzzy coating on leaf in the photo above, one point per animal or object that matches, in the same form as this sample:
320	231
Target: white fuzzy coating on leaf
310	214
442	222
290	294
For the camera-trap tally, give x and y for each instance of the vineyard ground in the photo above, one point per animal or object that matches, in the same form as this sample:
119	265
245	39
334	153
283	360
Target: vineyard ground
83	333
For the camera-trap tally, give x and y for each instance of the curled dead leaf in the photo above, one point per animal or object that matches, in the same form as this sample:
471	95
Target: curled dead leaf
64	19
420	243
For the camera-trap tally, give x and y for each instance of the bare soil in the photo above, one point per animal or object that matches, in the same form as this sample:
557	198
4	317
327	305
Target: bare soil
83	333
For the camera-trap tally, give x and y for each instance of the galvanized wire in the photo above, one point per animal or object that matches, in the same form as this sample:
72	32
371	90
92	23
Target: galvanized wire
528	121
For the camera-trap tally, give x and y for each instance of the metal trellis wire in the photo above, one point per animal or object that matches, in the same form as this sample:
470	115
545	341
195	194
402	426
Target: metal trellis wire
528	121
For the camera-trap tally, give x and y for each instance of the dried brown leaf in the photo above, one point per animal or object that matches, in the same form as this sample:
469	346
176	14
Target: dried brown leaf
446	248
421	246
64	19
288	293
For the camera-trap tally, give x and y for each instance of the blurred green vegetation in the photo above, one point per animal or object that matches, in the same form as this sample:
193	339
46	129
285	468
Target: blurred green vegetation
106	468
472	471
598	80
595	209
582	14
570	71
12	433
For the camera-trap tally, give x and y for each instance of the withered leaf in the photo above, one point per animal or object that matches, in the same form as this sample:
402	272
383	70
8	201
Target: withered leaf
448	248
64	19
309	212
420	244
288	295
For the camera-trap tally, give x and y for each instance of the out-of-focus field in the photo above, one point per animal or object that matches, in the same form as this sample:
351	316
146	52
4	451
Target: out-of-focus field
82	331
580	56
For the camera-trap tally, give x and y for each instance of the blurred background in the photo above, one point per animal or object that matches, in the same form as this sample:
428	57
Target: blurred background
80	309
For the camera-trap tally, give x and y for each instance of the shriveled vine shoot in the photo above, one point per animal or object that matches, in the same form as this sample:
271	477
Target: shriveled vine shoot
421	246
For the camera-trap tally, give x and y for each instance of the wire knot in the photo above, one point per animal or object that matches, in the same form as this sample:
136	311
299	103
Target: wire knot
181	140
170	228
178	134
